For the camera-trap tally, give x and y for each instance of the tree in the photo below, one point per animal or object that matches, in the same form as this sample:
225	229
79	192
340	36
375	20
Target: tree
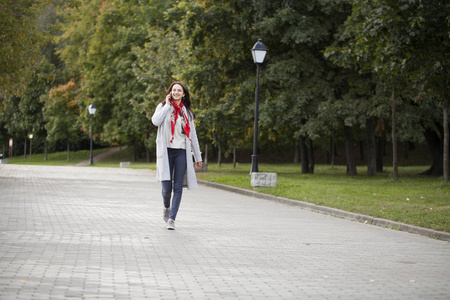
298	77
405	42
61	113
21	39
104	59
23	110
216	64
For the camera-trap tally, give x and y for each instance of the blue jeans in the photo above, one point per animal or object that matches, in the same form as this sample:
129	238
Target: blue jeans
177	167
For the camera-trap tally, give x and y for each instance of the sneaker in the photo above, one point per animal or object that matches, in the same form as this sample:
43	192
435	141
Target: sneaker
171	224
166	214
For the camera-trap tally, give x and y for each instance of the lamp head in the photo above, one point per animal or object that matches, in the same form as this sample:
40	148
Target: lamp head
259	51
92	109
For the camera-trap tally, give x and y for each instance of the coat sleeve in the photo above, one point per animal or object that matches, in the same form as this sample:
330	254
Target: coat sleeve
160	114
194	144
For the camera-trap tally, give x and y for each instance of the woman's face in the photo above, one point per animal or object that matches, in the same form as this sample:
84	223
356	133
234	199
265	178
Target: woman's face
177	92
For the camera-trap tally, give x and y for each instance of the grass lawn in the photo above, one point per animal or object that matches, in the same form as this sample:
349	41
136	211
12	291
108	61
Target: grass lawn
55	159
416	200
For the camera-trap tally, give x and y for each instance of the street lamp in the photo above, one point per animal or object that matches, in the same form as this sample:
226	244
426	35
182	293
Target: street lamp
259	51
92	110
31	138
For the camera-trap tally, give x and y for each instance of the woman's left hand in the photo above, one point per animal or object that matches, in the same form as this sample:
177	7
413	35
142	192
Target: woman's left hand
198	165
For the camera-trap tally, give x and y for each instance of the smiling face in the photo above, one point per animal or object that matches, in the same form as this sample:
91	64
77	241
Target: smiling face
177	92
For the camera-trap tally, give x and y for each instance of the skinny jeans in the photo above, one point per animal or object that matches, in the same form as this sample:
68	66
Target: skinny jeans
177	168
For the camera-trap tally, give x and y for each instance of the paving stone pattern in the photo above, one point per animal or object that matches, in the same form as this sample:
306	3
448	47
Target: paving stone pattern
96	233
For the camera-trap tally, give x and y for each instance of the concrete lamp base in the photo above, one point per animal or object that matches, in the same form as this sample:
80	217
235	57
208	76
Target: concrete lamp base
260	179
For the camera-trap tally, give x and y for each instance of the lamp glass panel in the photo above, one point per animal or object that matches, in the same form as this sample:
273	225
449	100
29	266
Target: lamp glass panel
258	56
92	109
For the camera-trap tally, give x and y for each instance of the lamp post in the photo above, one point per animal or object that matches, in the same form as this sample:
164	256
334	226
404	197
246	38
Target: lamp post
31	138
259	51
92	110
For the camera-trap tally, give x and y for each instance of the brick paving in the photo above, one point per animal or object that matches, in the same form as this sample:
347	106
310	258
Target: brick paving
90	233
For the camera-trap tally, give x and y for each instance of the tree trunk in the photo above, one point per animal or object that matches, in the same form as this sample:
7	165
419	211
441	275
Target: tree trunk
371	148
312	161
361	151
333	151
68	150
25	149
219	154
436	148
349	152
394	136
133	151
206	154
296	152
446	149
147	151
304	155
379	154
234	156
46	149
214	151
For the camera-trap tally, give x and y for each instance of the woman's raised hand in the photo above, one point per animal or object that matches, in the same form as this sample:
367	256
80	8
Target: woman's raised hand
168	99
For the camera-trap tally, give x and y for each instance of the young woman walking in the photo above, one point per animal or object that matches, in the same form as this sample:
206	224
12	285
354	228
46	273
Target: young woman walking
175	141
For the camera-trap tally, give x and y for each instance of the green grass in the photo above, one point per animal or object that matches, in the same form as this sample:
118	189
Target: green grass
416	200
60	159
54	159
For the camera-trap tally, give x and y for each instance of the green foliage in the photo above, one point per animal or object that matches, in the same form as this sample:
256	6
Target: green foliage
217	66
299	82
157	62
406	40
122	54
103	59
21	39
61	113
406	43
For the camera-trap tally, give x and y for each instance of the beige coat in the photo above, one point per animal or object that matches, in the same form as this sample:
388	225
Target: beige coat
161	118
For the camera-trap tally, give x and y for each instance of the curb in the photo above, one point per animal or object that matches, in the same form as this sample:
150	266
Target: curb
441	235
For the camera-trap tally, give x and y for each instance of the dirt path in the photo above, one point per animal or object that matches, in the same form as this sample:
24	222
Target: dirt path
103	155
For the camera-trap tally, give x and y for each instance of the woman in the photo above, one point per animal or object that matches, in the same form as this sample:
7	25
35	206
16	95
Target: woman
175	140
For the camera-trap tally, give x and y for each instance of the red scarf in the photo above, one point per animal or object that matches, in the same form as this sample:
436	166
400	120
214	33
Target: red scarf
177	111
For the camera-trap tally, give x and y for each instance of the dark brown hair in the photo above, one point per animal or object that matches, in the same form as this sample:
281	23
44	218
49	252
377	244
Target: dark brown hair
186	98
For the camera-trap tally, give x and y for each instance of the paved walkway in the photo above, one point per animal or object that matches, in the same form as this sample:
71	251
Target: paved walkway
80	232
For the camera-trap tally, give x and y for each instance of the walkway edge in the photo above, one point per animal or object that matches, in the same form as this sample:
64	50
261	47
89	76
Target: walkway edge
441	235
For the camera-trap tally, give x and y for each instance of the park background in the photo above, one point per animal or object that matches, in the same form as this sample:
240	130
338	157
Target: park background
353	88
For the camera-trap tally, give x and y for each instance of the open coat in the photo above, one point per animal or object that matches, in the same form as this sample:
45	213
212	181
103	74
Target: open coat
161	118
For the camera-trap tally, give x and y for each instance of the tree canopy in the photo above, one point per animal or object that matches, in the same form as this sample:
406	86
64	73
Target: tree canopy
330	74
